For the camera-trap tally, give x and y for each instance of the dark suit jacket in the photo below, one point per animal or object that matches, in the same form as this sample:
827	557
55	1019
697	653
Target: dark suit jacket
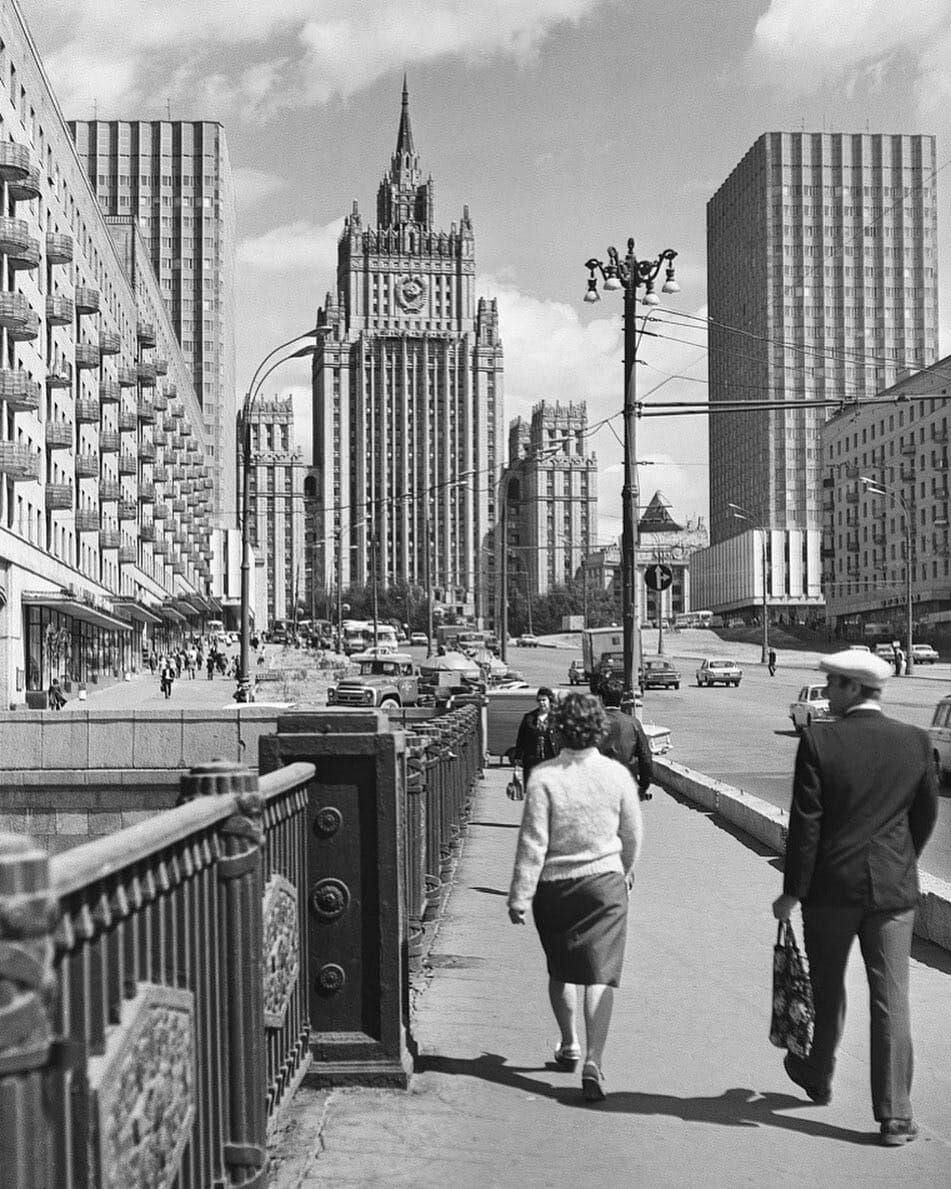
627	743
864	804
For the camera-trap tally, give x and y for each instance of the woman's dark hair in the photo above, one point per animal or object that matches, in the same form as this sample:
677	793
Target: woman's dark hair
545	692
580	721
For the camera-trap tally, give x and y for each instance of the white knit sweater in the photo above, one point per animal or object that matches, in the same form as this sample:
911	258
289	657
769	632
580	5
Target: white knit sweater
582	816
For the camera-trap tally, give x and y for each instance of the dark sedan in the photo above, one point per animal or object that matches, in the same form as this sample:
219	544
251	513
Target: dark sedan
659	675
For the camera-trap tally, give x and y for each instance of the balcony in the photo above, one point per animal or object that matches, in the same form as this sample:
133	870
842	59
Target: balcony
59	310
160	473
879	538
145	333
21	394
852	543
15	161
59	435
15	311
128	555
87	466
158	437
146	532
86	299
109	342
87	356
27	188
28	257
128	509
18	462
59	248
128	377
59	496
938	434
145	412
909	449
109	441
145	371
146	452
59	374
178	505
110	538
827	551
128	464
852	517
852	569
87	411
178	567
160	401
160	363
940	490
907	474
109	490
171	391
14	236
851	496
87	520
161	512
161	547
146	493
109	393
127	420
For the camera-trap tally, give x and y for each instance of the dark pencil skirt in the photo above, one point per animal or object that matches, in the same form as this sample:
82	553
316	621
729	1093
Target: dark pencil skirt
582	924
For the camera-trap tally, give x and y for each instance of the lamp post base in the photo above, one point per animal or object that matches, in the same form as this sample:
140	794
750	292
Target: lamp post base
245	690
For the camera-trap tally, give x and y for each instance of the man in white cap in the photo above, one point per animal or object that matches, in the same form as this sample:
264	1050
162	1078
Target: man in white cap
863	806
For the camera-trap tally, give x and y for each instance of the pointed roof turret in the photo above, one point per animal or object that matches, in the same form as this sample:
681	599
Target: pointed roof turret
657	518
404	138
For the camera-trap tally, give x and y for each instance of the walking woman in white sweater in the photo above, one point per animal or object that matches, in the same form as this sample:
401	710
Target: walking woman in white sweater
578	843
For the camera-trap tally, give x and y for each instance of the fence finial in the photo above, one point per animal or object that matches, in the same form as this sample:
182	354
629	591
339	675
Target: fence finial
217	778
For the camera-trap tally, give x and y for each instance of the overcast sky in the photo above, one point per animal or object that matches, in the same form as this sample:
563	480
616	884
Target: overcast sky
567	125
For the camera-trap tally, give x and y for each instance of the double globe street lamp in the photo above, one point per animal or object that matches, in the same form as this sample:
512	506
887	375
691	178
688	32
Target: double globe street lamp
874	487
629	275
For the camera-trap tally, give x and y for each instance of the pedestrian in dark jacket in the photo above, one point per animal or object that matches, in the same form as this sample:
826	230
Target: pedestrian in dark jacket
537	738
625	740
166	676
771	662
864	804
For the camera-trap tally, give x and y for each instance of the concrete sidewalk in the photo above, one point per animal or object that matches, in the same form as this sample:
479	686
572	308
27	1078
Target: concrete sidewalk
697	1095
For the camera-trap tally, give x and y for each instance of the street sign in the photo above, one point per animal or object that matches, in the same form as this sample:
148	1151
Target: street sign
658	577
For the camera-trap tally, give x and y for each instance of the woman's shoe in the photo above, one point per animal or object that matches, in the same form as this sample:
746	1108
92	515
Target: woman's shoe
592	1083
567	1056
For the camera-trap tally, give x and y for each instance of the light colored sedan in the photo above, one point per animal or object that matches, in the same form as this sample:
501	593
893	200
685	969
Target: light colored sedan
714	671
811	706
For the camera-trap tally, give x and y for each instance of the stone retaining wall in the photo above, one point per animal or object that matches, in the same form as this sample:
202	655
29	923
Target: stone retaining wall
768	825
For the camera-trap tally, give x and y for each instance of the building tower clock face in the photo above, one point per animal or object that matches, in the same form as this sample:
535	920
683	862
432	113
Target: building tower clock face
411	292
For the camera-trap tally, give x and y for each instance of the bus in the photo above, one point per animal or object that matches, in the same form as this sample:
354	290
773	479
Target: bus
358	636
215	628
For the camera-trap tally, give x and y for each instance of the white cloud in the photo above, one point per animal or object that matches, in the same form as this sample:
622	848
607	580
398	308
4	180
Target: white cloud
263	55
805	43
254	185
295	247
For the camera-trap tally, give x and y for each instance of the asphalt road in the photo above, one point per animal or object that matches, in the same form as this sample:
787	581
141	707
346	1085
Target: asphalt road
743	735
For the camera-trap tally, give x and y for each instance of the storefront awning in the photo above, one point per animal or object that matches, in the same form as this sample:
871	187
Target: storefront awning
67	605
170	613
133	609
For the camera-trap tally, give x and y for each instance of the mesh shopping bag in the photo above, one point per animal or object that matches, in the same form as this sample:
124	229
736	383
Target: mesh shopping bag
793	1013
514	790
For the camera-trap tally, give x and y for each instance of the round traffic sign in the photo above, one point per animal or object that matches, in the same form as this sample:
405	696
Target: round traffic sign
658	576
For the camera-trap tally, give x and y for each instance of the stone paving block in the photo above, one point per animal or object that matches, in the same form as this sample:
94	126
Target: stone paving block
110	741
206	736
104	823
72	823
15	823
157	739
65	742
132	817
22	740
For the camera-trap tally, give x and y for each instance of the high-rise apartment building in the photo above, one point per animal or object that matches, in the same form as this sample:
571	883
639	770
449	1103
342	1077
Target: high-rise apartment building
407	390
551	488
105	536
277	504
822	286
174	178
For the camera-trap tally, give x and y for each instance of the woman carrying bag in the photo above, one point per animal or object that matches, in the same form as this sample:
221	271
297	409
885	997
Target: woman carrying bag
537	737
577	845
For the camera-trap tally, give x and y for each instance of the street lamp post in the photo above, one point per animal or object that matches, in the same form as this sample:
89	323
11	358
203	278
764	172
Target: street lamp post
244	691
740	513
629	275
873	487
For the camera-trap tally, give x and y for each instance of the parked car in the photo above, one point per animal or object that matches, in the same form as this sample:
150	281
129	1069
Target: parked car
387	681
924	654
940	734
736	623
419	639
527	640
577	675
713	671
810	706
885	651
659	675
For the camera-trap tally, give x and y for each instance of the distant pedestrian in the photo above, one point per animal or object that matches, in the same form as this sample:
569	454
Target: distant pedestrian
771	662
153	661
624	739
899	661
577	846
210	665
167	676
864	805
55	695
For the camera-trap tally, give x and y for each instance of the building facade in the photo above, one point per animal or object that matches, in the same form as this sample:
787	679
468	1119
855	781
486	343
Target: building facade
899	443
174	178
407	398
104	530
822	285
277	505
551	492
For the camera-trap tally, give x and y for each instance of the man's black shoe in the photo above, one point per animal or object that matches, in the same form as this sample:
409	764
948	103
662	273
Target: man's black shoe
820	1096
896	1132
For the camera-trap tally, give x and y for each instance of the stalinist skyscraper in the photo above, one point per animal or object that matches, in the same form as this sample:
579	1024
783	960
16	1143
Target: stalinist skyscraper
407	389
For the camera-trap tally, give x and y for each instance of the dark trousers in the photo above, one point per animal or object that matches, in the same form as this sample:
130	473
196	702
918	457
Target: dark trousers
885	940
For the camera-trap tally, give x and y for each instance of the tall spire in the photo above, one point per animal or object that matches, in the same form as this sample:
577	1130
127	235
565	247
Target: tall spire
404	138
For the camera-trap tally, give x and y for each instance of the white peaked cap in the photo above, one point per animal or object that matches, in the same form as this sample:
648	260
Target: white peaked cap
858	665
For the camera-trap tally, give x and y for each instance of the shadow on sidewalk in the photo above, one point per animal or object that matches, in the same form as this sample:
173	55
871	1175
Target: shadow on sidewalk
737	1107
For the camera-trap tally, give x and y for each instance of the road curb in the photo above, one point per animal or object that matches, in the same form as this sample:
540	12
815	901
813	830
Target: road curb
769	825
